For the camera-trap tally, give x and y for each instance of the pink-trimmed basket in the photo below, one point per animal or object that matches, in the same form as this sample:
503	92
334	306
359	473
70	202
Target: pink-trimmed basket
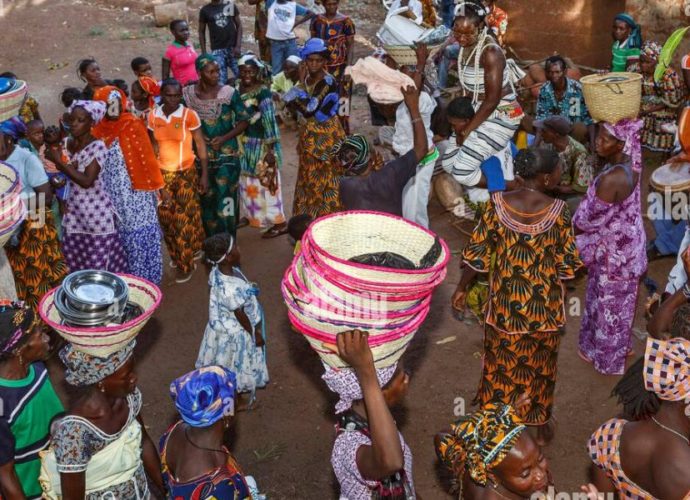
104	340
12	207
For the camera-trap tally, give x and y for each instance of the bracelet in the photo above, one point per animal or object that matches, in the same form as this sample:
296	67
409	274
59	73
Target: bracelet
686	291
415	120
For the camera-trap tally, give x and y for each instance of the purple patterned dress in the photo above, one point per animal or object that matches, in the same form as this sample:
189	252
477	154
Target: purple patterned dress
91	240
612	246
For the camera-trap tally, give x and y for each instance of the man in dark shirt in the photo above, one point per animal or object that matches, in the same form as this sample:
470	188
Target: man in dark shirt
225	33
364	188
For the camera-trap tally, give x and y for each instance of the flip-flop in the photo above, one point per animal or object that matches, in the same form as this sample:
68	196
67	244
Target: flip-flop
274	232
244	222
583	357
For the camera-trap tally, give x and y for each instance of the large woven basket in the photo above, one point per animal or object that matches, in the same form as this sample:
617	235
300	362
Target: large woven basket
12	100
105	340
612	97
405	55
335	238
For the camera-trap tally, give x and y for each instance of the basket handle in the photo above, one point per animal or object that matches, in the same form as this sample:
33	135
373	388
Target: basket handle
618	85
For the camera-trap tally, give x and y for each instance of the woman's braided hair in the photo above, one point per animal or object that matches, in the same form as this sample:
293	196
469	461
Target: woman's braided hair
533	161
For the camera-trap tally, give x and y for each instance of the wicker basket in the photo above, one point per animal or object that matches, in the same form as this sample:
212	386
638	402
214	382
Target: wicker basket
612	97
12	100
105	340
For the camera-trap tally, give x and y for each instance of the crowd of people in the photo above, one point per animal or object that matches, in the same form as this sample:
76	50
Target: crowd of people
188	159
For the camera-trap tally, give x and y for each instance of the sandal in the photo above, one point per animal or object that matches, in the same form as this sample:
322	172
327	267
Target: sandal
583	357
244	222
275	231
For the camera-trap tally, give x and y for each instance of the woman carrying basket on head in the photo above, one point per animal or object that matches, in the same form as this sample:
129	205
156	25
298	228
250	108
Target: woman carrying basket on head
488	77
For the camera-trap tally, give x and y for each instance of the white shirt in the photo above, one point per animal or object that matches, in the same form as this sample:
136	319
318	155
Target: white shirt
414	5
281	20
403	138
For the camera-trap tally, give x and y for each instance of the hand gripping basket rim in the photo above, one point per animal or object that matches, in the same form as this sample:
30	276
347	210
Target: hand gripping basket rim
103	331
435	268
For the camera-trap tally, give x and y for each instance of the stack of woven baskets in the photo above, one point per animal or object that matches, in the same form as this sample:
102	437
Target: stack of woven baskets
12	96
326	293
12	207
104	340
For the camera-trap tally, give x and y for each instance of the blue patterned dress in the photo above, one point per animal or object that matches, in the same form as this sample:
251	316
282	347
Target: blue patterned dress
137	218
225	341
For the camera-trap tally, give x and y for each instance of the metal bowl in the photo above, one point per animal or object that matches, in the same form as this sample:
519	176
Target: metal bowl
75	317
92	291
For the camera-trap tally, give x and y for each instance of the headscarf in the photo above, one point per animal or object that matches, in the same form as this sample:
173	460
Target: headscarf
313	46
635	38
95	109
13	127
84	369
359	144
651	49
293	59
204	396
478	443
628	131
250	59
151	87
203	60
345	384
667	369
133	137
16	322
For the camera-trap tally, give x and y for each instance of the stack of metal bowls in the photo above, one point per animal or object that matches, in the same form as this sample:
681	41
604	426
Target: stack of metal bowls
92	298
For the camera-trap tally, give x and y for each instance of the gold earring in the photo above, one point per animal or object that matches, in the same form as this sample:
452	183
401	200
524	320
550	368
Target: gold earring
100	387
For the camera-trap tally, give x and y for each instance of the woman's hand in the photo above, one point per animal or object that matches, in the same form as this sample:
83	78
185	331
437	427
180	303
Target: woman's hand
353	348
302	71
591	491
53	154
216	143
203	183
422	53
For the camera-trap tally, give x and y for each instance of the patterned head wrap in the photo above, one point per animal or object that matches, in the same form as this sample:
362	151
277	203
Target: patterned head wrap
667	369
651	49
13	127
635	39
480	442
360	145
345	384
95	109
16	322
628	131
204	396
203	60
84	369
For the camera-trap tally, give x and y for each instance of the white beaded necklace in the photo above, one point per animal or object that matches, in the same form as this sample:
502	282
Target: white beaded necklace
464	64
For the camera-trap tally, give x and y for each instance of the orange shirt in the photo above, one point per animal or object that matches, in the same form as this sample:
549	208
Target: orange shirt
174	136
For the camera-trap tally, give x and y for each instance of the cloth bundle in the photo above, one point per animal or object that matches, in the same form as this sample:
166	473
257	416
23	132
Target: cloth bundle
326	293
383	83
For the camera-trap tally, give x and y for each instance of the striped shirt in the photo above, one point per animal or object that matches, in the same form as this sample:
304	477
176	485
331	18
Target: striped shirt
27	408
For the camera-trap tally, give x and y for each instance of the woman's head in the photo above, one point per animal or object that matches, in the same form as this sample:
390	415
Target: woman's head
208	69
291	67
12	130
315	54
649	57
298	225
460	113
171	94
112	375
354	154
252	70
21	334
89	71
345	384
625	28
138	93
469	21
180	30
205	396
331	6
607	145
638	403
492	448
539	164
221	248
85	114
556	69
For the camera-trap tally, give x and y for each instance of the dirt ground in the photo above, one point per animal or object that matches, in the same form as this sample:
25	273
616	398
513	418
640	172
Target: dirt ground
286	442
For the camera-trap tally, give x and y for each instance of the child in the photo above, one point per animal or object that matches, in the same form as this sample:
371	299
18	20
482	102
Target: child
180	57
140	103
234	335
144	73
67	97
297	226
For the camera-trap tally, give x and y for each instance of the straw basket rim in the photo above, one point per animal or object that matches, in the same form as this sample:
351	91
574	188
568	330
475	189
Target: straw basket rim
309	235
11	101
405	54
5	170
86	333
595	79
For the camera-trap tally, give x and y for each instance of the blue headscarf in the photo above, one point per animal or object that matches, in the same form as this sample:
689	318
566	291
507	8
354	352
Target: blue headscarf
204	396
635	39
14	127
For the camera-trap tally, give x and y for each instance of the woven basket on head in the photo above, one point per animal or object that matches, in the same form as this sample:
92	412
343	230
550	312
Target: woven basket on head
12	100
334	239
404	55
612	97
104	340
